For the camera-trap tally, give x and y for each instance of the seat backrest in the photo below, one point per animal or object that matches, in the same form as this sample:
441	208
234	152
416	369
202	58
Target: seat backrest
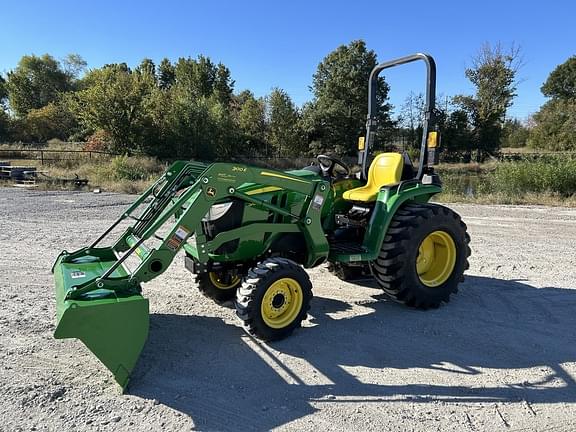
385	169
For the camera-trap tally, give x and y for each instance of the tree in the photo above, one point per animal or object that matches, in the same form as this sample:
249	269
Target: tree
50	121
514	134
337	116
196	76
456	134
555	126
223	85
4	126
412	117
165	74
3	91
115	100
493	73
561	83
283	131
250	118
147	67
35	83
73	65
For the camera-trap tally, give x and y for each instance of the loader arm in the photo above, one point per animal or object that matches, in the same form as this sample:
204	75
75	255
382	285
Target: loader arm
99	298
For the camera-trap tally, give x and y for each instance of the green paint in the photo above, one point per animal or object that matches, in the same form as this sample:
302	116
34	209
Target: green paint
387	203
98	300
113	326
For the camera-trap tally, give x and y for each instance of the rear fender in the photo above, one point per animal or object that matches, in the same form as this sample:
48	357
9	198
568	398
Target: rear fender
388	201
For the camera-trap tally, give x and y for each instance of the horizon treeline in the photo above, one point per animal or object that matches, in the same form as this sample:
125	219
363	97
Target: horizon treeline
190	108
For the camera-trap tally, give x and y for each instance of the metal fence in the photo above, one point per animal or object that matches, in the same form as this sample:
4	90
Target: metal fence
47	155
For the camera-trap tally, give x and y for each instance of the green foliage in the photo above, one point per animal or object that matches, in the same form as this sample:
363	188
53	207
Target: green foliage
457	134
35	83
555	125
125	168
336	117
493	74
250	118
50	121
223	85
283	132
551	175
190	127
514	134
547	180
4	126
3	91
166	74
561	83
115	100
147	67
73	65
196	77
411	118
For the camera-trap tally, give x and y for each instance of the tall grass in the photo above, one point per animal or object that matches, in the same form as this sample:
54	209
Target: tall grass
546	181
552	176
118	174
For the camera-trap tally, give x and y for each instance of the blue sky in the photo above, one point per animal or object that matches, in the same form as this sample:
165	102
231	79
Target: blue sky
268	43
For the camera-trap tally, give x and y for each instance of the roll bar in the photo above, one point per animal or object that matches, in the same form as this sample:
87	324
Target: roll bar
429	119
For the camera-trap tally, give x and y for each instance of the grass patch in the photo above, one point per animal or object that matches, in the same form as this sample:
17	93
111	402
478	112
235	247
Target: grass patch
118	174
550	181
547	181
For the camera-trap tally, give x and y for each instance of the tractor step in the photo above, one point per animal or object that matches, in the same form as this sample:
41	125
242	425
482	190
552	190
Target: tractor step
346	247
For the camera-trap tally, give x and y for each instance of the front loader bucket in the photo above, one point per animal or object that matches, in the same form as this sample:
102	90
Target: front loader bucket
113	326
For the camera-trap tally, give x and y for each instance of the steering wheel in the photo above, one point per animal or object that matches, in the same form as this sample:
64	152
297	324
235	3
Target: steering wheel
328	163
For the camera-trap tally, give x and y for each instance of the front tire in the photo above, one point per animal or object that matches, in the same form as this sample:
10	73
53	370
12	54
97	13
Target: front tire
274	299
218	286
424	255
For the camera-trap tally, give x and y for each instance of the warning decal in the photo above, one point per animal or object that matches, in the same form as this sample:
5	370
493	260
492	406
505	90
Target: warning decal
178	238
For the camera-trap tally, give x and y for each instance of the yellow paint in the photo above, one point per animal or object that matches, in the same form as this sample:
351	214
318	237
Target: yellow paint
281	303
385	170
264	190
218	283
432	139
361	143
436	258
269	174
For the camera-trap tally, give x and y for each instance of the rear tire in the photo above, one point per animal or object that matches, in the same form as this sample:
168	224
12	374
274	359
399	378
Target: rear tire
424	255
218	286
274	299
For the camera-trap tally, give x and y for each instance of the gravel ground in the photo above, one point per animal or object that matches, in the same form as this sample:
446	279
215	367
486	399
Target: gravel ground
500	356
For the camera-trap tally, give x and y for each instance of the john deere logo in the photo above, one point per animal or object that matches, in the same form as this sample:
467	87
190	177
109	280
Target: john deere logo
211	191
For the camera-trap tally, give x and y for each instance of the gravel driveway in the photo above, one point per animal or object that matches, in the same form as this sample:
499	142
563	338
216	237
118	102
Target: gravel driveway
500	356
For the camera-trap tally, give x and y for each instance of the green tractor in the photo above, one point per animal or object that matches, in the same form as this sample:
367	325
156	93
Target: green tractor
248	233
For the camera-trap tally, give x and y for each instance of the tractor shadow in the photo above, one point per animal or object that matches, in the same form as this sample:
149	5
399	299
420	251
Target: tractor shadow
225	380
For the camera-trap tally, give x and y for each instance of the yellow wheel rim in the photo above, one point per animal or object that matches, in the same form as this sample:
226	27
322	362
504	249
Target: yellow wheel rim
282	303
219	282
436	258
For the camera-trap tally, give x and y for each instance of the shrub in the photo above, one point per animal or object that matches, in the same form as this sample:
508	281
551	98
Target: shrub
135	168
551	175
98	141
